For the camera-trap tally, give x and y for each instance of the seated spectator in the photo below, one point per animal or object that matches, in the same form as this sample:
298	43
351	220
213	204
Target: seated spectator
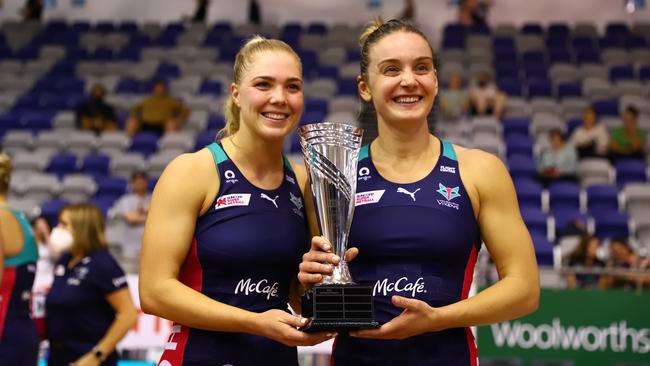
95	114
628	141
159	113
559	161
454	100
486	98
473	12
133	209
591	139
584	257
623	256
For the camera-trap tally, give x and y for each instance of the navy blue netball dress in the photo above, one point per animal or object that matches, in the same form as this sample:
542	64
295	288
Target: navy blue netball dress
418	240
245	253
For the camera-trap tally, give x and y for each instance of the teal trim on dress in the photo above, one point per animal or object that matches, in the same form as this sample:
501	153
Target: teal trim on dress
29	253
217	153
448	150
363	153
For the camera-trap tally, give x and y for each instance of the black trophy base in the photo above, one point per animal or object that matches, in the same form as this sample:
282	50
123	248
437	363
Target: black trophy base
339	308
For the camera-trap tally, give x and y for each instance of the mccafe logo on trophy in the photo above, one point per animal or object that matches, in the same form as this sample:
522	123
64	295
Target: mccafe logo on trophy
331	153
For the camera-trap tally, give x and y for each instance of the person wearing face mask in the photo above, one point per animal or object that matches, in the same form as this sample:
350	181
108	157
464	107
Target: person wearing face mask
227	227
18	256
89	308
95	114
428	207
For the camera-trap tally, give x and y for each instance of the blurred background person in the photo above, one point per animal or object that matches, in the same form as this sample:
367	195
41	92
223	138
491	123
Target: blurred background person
591	139
88	308
159	113
473	12
454	100
628	140
624	257
19	339
133	208
486	98
95	114
585	257
558	161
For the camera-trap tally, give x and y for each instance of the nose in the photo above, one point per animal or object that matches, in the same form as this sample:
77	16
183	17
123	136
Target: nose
278	96
408	78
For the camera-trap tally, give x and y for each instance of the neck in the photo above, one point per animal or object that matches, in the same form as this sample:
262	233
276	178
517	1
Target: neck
254	153
403	142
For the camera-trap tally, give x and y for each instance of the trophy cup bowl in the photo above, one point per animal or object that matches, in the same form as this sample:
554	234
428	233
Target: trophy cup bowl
331	153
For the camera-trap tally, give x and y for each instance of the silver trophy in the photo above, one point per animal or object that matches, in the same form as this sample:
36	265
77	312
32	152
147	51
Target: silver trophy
331	153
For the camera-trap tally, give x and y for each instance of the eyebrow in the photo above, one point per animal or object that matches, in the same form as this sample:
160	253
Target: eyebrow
393	60
269	78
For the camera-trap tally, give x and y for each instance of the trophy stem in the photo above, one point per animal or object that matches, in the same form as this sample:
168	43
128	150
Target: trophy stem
340	274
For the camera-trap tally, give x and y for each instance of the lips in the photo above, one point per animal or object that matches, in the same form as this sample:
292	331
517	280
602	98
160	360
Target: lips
407	99
276	116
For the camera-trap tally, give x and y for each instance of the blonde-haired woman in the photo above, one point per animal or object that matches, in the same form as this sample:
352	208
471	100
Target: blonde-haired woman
18	255
433	204
89	307
227	227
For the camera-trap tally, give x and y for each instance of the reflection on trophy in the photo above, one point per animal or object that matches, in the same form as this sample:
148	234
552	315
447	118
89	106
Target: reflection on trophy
331	153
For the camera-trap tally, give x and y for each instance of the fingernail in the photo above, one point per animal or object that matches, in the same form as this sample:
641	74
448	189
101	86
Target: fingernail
303	320
326	246
336	258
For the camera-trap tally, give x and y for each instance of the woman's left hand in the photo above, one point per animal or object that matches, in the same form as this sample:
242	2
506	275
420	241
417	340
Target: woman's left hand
417	318
88	359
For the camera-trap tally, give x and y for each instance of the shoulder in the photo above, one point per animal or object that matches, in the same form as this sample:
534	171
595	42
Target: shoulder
481	169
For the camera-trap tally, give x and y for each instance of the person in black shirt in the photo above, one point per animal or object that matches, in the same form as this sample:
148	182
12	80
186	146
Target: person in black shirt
95	114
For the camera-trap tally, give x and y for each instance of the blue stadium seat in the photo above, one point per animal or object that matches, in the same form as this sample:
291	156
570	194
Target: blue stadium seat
168	70
316	105
564	218
529	193
536	221
543	250
540	88
572	124
644	73
564	194
204	138
347	87
331	72
511	87
607	107
62	164
532	28
569	89
519	143
610	224
602	197
38	121
621	72
145	143
635	42
587	56
515	125
96	165
211	87
558	30
522	166
112	187
103	203
317	28
630	170
216	122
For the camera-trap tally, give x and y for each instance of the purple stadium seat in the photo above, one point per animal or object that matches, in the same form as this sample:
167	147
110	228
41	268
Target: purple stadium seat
602	197
529	192
610	224
564	194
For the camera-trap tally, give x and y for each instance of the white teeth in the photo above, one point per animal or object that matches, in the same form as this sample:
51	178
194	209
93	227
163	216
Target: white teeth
274	115
407	99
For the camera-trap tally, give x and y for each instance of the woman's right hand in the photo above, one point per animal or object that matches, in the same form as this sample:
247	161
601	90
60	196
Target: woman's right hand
281	326
320	261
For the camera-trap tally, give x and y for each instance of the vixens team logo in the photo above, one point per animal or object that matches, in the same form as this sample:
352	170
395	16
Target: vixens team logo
297	201
449	193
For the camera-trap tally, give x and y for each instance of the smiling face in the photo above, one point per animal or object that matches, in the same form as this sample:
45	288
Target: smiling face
401	80
270	94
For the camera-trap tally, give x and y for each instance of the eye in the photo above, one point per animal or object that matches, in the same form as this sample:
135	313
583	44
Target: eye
263	85
422	68
294	87
391	70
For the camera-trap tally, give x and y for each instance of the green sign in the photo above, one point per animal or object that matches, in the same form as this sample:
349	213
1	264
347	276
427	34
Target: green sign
589	327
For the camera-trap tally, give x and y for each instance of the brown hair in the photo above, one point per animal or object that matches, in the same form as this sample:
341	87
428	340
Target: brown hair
87	228
579	254
5	172
379	29
243	62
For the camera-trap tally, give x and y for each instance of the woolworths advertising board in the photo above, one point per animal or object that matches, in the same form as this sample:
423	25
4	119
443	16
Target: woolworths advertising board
592	328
